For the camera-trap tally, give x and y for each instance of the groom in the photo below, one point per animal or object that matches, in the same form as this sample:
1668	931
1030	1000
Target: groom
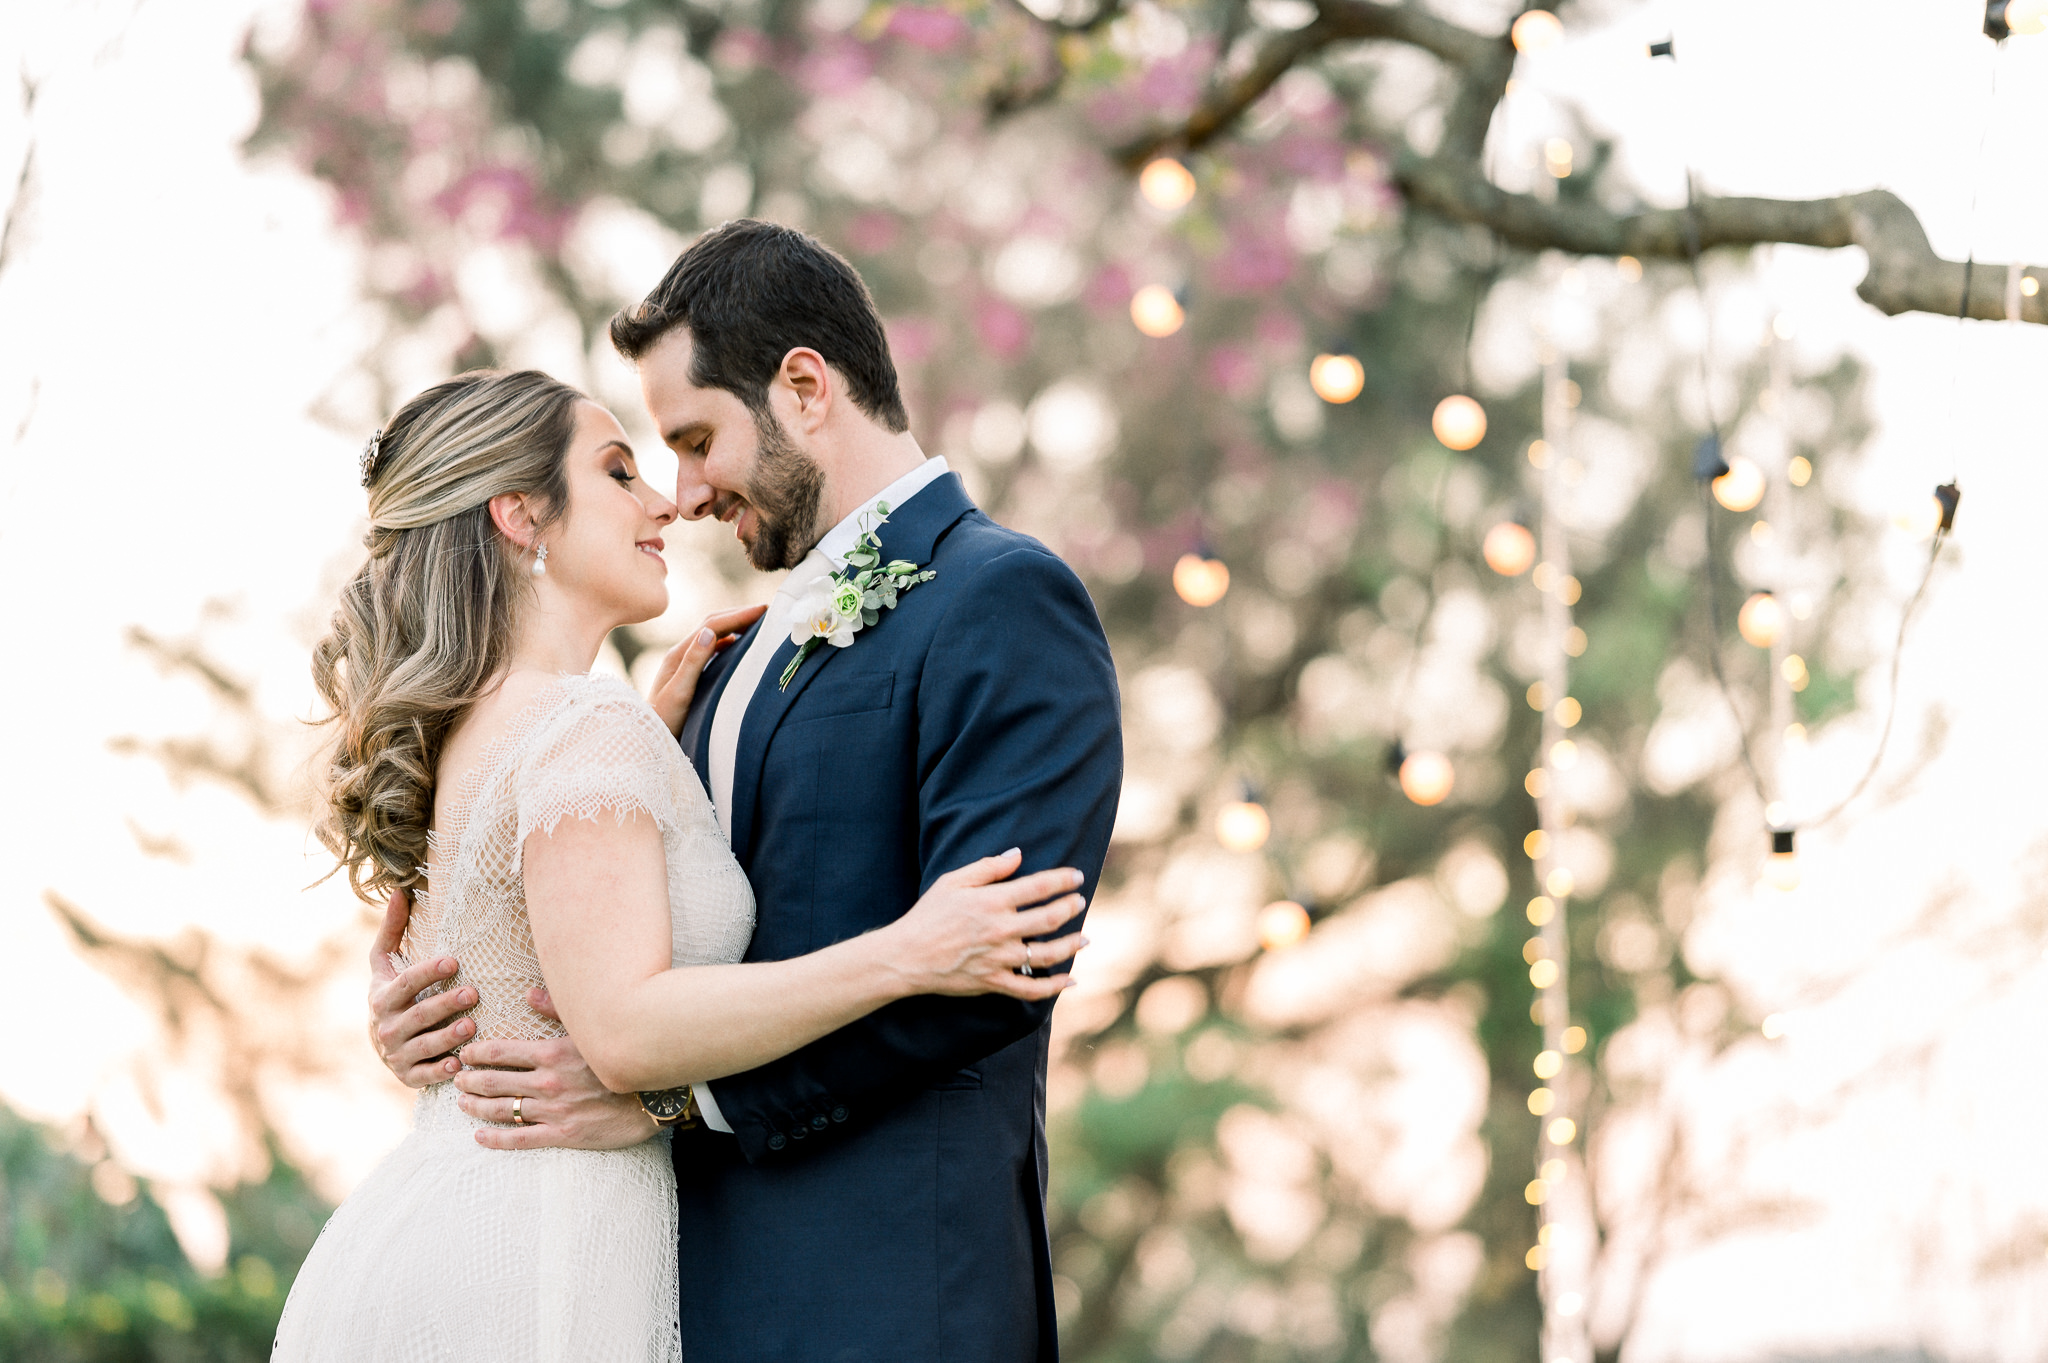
880	1194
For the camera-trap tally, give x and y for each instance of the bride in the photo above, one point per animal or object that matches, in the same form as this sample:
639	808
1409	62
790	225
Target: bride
551	833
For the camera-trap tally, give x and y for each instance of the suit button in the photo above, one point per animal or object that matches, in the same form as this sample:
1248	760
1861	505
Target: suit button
798	1133
818	1123
776	1142
838	1114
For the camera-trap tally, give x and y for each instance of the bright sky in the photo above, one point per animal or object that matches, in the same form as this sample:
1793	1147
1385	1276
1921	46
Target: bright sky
174	316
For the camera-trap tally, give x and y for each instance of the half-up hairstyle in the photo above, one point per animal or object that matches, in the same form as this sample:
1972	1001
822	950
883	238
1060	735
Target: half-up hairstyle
426	626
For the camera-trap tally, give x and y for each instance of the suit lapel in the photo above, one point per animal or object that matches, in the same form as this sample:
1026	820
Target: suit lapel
696	735
911	533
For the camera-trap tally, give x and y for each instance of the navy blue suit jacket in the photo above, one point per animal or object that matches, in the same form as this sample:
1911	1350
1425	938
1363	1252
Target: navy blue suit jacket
883	1196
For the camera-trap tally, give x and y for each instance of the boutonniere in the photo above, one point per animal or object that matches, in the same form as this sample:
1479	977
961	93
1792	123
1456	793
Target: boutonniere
834	608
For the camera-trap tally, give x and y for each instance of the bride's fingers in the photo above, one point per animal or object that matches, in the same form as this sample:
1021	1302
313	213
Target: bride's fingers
735	620
987	871
1058	951
1045	920
1033	987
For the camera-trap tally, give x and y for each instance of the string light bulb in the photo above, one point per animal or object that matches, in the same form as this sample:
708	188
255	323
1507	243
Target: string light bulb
1166	184
1426	777
1337	378
1761	620
1200	580
1243	826
1537	31
1282	924
2014	18
1741	487
1459	422
1781	869
1156	312
1509	549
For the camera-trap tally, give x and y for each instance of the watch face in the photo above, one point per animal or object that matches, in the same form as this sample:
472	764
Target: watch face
666	1105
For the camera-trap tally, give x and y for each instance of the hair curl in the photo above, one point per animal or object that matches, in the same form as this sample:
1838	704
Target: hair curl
425	628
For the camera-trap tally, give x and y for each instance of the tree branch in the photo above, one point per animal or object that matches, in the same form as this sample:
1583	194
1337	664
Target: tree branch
1905	274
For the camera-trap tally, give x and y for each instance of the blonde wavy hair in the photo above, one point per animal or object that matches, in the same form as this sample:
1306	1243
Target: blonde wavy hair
425	628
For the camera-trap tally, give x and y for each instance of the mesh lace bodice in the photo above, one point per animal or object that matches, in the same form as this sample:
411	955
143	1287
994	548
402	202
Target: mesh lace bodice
587	747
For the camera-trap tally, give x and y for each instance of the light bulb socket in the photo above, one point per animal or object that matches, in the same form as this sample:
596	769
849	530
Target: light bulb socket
1707	463
1664	49
1397	754
1995	27
1781	842
1948	494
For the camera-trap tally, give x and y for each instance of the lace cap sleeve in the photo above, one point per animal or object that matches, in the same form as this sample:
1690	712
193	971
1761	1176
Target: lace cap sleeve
603	750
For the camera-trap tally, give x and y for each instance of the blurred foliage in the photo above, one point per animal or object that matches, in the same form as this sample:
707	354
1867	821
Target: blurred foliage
1315	1152
91	1273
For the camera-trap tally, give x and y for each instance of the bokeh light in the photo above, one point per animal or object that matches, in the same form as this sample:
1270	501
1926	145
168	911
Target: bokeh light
1200	581
1536	31
1742	486
1156	312
1243	826
1336	379
1761	619
1459	422
1509	549
1282	924
1166	184
1426	777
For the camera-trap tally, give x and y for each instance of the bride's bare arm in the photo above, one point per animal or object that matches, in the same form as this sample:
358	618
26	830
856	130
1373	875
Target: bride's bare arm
597	896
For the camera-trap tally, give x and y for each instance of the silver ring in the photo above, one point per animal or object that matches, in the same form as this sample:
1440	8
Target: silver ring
518	1117
1027	958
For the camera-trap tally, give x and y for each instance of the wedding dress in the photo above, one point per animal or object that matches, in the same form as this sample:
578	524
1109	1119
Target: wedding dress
453	1251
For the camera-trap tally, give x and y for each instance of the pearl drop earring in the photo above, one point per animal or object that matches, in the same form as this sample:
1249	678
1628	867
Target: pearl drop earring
540	560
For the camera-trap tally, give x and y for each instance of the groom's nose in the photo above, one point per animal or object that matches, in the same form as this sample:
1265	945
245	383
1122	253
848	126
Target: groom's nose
695	498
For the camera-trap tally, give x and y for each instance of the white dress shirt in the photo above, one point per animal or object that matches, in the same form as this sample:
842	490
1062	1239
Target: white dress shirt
828	557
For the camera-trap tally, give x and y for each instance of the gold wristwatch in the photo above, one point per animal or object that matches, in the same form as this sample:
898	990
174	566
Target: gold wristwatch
671	1107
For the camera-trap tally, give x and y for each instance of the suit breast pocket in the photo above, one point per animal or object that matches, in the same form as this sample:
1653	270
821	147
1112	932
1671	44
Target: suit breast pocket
854	696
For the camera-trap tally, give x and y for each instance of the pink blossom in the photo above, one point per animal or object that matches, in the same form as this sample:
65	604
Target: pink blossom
835	69
1004	331
1110	290
873	232
1255	262
934	30
911	339
1235	370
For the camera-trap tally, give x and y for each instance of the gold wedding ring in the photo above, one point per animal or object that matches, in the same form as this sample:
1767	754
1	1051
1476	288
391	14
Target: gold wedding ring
518	1117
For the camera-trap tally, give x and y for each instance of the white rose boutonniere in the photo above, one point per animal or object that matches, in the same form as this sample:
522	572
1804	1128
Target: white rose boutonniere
834	608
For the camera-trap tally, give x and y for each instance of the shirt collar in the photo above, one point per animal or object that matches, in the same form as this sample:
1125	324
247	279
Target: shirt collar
840	539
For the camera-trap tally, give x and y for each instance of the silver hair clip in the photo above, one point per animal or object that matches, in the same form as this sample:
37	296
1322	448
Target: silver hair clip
368	463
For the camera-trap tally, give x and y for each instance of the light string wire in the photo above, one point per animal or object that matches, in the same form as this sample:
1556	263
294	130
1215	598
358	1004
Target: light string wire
1712	568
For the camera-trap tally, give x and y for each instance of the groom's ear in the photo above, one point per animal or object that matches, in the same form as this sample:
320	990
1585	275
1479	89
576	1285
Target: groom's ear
812	383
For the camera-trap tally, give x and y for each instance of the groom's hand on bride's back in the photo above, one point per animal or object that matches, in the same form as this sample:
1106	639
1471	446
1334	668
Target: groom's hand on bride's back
561	1103
414	1036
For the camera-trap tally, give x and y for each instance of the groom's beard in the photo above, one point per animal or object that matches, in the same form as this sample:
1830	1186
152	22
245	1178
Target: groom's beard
785	491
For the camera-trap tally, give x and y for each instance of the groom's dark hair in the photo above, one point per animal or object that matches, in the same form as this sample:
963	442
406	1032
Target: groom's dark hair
750	292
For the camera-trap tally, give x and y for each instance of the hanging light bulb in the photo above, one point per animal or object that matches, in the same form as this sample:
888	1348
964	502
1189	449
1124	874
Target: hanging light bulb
1199	580
1156	312
1761	620
1166	184
1741	487
1426	777
2015	18
1509	549
1243	826
1459	421
1281	924
1336	378
1537	31
1781	869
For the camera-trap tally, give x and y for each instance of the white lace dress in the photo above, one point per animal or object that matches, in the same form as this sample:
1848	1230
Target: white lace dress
450	1251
